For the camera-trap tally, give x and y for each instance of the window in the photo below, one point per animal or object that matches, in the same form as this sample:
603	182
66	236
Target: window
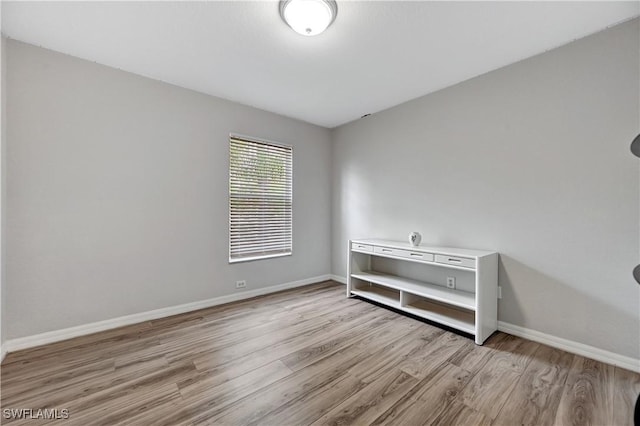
260	199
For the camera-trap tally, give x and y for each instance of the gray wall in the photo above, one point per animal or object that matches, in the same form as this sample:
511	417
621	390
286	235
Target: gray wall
117	189
3	158
531	160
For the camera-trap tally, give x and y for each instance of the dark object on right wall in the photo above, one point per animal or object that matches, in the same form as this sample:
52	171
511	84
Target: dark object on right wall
635	146
635	149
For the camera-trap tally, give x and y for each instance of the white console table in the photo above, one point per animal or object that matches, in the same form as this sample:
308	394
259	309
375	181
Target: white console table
414	280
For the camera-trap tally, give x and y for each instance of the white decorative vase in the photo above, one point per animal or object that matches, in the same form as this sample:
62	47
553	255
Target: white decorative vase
415	238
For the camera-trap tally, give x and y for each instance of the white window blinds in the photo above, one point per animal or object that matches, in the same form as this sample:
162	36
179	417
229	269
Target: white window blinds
260	199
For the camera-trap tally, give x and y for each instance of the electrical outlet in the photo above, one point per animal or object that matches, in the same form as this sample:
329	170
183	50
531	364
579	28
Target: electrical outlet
451	282
241	284
499	292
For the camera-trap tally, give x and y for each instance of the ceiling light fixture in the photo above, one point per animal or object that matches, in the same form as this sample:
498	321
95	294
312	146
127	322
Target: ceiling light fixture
308	17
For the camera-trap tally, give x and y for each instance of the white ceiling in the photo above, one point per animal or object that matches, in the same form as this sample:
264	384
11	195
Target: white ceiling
375	55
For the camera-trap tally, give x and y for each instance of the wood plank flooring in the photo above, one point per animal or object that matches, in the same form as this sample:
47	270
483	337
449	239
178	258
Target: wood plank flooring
310	356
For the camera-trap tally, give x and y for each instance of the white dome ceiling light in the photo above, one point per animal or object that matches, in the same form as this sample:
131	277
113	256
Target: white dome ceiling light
308	17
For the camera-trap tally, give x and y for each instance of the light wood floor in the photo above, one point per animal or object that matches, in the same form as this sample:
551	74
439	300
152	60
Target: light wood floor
311	356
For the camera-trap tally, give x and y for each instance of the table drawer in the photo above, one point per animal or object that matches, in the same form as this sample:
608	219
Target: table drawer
409	254
361	247
456	261
417	255
388	251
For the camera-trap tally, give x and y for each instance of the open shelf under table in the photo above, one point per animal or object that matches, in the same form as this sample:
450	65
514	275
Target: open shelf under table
379	294
454	318
438	293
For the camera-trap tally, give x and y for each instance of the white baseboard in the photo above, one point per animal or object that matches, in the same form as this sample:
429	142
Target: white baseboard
13	345
339	279
571	346
3	353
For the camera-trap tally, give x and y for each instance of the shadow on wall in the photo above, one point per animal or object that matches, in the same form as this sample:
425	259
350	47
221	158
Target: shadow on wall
527	293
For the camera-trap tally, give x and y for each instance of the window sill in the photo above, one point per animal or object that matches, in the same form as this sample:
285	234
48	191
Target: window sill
252	258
